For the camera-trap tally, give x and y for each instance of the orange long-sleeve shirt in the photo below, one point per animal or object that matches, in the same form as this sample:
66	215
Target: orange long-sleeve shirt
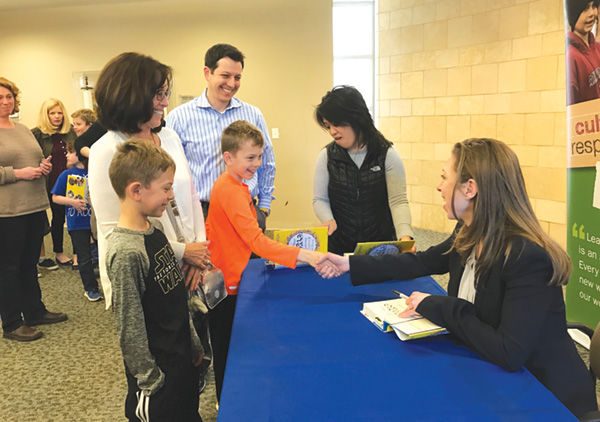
233	232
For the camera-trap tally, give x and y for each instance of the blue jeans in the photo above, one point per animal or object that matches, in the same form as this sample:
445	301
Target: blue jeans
81	246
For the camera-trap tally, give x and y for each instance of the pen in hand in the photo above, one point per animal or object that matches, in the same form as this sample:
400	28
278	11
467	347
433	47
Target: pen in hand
402	295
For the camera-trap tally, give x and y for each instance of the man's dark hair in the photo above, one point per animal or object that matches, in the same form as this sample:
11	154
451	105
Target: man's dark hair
574	9
218	51
125	91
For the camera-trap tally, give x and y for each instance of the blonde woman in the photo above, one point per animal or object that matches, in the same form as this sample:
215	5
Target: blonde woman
54	133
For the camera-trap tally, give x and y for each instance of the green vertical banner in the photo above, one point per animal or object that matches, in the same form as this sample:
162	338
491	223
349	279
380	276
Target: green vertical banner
583	161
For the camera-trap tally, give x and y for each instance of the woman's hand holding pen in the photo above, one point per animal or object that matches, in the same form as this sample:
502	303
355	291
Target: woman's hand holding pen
412	302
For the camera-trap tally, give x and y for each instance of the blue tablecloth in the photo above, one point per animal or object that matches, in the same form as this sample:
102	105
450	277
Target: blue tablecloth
301	351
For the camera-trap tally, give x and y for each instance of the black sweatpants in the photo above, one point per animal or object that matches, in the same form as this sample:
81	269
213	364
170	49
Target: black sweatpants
220	321
177	399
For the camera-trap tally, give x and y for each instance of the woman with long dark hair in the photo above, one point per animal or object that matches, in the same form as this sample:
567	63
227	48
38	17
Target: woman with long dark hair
505	298
359	184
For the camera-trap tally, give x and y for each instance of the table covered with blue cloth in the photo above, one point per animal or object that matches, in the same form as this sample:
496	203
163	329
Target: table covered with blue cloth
301	351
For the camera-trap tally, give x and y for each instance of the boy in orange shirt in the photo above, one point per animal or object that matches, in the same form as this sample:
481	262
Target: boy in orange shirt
234	234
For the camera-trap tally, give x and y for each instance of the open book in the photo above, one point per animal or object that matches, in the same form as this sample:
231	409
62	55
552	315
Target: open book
384	314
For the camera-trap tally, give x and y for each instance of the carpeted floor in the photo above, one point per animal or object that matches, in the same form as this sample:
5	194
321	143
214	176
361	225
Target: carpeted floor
75	372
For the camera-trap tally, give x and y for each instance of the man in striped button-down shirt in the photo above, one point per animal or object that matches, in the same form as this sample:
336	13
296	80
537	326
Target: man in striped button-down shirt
200	122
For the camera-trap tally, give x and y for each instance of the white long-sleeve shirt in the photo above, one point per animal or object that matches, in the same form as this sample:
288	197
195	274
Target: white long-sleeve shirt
107	207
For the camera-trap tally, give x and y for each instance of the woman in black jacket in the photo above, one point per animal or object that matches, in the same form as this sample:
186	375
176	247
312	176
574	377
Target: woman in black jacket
505	298
54	134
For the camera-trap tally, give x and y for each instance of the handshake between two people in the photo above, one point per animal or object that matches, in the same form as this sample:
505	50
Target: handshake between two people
196	260
328	265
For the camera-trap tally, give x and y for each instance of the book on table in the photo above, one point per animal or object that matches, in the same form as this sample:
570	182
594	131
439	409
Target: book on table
388	247
312	238
384	315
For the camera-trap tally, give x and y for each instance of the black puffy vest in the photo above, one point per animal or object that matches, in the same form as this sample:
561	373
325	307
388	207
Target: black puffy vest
358	199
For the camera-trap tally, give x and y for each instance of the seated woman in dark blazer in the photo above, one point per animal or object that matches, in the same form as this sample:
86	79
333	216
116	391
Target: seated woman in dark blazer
505	298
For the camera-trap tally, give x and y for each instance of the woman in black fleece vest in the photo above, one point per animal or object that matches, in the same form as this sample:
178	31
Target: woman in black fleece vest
359	188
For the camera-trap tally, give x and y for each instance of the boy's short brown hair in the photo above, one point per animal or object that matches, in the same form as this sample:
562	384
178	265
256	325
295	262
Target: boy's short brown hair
137	160
238	133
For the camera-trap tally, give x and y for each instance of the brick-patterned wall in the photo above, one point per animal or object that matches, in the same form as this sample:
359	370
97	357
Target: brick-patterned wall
452	69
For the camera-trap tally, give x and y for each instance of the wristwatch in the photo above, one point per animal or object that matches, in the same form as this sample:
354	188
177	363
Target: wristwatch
266	211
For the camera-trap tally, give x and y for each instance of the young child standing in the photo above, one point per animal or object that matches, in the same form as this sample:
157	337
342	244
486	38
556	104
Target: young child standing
160	348
233	232
78	214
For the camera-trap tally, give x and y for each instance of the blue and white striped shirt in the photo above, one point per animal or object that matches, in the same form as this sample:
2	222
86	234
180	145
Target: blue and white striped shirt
200	126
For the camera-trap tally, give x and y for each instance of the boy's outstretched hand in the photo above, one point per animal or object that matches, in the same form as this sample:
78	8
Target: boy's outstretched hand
308	256
331	265
327	265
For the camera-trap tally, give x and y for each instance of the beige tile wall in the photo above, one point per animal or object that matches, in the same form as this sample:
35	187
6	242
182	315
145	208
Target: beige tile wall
452	69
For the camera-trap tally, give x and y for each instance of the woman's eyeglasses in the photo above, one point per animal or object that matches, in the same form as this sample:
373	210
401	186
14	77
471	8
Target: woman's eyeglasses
161	95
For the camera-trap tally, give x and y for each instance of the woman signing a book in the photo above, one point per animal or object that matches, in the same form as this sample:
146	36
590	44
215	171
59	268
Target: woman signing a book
505	299
359	185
